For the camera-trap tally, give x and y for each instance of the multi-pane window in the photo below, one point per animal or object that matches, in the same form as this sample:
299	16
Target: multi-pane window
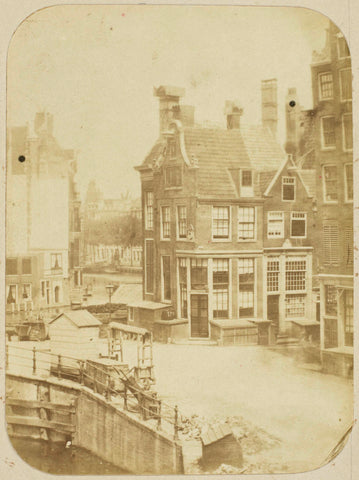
343	49
288	188
246	223
330	300
331	244
328	132
165	222
56	261
294	306
295	270
326	86
149	265
246	178
220	222
182	221
11	296
298	224
330	183
275	225
348	317
246	287
348	244
182	273
348	171
26	291
149	210
45	290
199	278
166	277
174	176
220	287
11	266
26	266
273	275
347	131
345	80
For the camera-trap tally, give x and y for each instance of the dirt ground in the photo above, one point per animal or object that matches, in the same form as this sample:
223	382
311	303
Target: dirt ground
288	417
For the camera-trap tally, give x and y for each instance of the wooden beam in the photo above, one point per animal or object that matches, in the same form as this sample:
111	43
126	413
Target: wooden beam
19	402
38	422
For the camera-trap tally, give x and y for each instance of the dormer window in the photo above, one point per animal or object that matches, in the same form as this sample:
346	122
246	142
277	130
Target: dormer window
173	176
288	189
246	183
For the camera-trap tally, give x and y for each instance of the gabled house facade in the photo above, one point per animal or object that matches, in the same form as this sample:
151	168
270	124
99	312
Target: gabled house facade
204	194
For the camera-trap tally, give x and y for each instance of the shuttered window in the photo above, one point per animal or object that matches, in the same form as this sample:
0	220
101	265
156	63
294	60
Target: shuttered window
348	182
348	242
149	266
331	244
328	132
347	120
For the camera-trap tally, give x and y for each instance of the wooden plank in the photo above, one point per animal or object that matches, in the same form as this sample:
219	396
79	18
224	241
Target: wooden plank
36	404
39	422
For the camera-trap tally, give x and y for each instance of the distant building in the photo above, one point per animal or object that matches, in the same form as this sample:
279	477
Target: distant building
43	224
327	147
207	195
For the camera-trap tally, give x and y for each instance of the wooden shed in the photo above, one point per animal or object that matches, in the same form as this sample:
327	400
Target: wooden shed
75	334
219	445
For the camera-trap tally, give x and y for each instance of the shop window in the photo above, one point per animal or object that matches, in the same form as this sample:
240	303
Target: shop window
246	287
220	287
294	306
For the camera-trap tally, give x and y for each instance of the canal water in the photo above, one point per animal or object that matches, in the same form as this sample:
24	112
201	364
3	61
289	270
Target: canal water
56	459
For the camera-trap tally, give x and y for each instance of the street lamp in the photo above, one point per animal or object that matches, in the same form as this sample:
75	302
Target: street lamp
109	289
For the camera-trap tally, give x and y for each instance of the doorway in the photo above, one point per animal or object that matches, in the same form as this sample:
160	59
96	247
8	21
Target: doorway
273	311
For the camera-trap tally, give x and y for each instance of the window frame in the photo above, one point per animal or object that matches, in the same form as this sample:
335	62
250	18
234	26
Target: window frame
305	224
8	288
228	237
348	114
254	283
182	239
294	295
282	222
286	177
56	256
163	289
221	287
14	260
29	298
246	239
328	165
28	259
321	97
168	177
347	199
167	238
328	228
290	279
322	143
148	292
327	313
149	208
273	276
341	85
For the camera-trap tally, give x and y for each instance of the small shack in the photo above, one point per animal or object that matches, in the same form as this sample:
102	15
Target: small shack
75	334
219	445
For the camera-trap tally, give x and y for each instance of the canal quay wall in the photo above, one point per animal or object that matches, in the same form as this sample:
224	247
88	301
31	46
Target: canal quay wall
60	410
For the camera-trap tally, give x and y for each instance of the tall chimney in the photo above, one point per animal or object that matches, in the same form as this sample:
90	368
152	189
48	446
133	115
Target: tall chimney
269	104
233	112
169	104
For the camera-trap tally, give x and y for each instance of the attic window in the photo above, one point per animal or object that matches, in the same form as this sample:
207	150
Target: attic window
246	178
288	188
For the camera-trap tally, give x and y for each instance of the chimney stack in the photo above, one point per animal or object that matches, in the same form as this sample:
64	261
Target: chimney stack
270	104
169	104
233	112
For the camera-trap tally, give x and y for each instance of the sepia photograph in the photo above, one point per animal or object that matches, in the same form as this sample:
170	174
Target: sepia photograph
179	278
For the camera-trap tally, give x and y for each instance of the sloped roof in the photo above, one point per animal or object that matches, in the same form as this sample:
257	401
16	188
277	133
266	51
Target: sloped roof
80	318
264	179
308	177
218	150
216	433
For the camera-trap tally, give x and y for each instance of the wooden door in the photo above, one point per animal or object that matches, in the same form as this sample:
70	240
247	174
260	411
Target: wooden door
199	316
273	310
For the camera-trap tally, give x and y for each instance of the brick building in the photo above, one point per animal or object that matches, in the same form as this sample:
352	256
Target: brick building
327	148
209	261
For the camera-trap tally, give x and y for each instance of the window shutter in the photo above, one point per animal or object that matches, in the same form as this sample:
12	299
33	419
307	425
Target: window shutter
331	244
348	242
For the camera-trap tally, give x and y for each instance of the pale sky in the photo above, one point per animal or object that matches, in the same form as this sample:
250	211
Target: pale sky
94	67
